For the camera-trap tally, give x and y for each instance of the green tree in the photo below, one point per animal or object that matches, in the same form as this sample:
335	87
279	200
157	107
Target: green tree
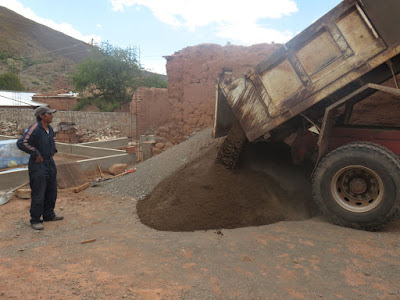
14	66
155	80
11	82
108	77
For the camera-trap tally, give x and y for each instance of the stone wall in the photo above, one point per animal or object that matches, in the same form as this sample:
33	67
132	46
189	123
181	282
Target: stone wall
57	102
121	124
192	77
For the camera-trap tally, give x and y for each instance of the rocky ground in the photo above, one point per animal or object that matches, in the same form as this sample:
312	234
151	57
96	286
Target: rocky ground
102	250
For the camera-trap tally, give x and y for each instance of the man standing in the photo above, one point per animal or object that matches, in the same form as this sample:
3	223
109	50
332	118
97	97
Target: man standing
38	141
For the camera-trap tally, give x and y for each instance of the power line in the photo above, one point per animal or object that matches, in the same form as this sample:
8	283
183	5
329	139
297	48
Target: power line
66	54
51	51
30	104
85	50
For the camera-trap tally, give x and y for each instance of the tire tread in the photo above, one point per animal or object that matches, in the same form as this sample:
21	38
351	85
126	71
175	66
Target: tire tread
363	146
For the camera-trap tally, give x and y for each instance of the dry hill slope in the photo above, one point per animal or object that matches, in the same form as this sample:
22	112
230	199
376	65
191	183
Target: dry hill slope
43	55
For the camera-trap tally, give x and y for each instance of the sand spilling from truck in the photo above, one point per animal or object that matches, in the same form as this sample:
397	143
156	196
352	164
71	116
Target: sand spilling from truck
264	189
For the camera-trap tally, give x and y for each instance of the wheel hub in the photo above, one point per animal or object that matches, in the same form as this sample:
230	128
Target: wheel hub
357	188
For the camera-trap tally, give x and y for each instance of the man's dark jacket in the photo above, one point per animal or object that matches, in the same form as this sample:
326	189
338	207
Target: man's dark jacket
37	141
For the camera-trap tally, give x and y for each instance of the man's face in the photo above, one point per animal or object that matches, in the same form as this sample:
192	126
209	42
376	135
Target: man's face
47	117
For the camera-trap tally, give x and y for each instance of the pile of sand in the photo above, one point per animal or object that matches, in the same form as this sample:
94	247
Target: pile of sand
265	189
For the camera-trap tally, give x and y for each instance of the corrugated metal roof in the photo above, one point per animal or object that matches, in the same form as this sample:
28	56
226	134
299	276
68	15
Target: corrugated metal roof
70	94
8	98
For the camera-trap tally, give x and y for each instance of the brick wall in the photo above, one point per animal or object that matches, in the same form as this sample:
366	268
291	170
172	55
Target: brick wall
151	107
57	102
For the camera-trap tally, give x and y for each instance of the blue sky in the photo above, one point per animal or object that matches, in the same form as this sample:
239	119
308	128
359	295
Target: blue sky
163	27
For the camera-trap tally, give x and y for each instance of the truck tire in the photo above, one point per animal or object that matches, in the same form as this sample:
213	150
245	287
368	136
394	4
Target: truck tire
358	186
229	152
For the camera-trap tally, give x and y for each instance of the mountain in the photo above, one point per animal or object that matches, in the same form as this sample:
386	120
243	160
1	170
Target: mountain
42	55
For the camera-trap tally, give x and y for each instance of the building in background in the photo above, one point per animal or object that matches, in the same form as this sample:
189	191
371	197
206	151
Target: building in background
65	102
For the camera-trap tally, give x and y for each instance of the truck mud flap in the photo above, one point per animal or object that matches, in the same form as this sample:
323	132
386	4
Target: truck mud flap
224	116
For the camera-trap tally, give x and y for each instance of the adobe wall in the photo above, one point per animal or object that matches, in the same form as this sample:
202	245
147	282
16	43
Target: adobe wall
192	77
57	102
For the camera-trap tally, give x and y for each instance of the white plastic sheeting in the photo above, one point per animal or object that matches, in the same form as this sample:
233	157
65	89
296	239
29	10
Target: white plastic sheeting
10	155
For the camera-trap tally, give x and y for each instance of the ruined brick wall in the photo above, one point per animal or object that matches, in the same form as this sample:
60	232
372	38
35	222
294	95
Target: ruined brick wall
57	102
151	107
192	76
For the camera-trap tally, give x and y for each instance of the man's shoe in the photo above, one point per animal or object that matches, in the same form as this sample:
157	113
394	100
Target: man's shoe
37	226
56	218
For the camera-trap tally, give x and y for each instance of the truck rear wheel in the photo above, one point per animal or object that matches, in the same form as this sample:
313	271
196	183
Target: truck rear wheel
357	185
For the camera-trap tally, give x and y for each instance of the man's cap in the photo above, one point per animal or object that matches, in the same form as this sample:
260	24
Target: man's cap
43	109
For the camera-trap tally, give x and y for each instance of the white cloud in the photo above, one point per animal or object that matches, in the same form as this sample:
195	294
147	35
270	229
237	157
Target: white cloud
66	28
234	19
99	26
250	34
155	65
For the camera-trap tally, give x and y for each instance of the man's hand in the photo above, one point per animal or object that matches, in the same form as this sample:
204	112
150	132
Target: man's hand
39	159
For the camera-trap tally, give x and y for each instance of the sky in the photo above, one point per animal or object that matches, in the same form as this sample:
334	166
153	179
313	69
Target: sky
160	28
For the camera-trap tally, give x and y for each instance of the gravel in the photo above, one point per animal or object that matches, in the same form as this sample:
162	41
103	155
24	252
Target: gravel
151	172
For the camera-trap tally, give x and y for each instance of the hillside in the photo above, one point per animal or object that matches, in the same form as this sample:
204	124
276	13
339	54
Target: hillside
44	56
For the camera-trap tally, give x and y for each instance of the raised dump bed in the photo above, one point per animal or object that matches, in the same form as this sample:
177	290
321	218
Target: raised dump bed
347	48
312	83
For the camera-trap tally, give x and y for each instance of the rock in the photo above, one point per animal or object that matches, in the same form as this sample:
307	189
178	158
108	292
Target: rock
117	169
160	146
9	128
24	193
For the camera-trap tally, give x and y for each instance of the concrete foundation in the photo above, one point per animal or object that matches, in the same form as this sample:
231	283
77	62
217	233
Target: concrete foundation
13	178
102	157
147	149
82	150
107	161
120	142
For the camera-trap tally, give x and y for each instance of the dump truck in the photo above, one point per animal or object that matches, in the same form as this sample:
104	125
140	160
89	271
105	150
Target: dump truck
304	95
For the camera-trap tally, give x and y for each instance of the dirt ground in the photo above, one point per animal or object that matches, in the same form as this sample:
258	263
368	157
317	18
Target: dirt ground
309	259
101	250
